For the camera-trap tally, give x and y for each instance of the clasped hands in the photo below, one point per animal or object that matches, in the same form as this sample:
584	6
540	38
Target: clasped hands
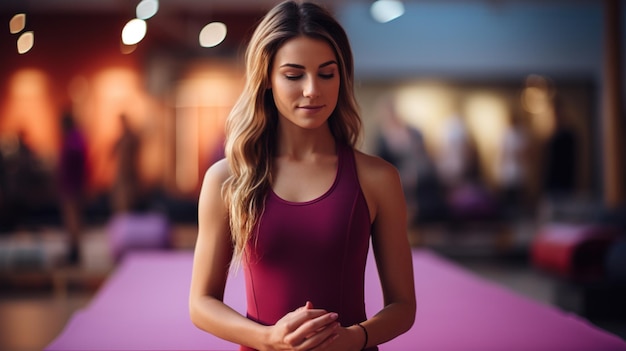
310	329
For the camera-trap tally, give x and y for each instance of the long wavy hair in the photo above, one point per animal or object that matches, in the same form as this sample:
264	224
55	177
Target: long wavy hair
251	127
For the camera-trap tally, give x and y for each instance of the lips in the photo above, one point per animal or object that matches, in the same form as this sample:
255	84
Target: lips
312	107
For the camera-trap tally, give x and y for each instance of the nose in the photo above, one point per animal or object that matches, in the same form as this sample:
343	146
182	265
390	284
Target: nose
311	88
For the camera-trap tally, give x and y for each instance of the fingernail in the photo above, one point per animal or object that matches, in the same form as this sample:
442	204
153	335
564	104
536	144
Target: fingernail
334	316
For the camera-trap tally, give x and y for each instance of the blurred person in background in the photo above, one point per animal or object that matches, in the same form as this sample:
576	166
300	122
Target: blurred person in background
126	187
561	166
458	162
4	196
296	204
467	196
403	146
27	182
73	175
513	166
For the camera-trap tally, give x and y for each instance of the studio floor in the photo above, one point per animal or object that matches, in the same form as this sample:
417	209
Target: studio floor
33	312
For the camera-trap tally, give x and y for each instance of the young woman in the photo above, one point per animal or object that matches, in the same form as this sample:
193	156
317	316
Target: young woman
295	204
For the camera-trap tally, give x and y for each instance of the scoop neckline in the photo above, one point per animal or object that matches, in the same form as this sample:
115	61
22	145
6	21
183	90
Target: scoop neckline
323	195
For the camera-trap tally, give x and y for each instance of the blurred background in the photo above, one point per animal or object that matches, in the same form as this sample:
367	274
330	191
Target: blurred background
505	119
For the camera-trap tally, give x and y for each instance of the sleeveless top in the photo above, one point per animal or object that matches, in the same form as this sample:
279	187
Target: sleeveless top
311	251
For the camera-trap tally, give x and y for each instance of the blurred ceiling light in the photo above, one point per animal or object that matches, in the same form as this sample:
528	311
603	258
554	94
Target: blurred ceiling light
384	11
134	31
212	34
147	8
17	23
25	42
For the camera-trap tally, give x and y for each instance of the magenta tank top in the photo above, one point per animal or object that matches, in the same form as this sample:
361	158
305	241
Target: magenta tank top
311	251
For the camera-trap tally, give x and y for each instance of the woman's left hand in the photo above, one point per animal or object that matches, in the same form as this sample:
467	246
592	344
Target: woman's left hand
348	339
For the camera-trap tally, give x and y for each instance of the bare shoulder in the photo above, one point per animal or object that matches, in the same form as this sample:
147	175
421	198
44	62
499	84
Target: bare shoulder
212	209
374	169
380	181
217	174
211	192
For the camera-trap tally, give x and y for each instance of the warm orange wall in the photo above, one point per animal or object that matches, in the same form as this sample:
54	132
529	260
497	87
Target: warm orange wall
76	61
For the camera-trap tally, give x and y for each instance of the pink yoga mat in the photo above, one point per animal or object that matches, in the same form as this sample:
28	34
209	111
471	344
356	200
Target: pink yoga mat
143	306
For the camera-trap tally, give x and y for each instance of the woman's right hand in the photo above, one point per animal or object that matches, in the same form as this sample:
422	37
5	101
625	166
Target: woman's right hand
305	328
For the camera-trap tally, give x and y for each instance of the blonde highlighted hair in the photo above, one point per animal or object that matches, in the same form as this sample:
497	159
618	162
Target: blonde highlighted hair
251	126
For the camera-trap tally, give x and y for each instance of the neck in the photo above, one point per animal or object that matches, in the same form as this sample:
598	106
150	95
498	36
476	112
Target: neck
299	143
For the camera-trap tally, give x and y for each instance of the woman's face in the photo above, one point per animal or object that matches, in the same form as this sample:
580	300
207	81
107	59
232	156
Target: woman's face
305	82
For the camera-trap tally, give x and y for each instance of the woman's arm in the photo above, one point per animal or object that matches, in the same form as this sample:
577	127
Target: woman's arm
391	249
212	256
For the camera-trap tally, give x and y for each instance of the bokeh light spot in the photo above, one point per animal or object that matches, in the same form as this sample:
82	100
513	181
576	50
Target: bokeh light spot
384	11
17	23
212	34
147	8
25	42
134	31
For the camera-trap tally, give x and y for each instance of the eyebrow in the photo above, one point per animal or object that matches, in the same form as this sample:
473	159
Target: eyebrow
294	65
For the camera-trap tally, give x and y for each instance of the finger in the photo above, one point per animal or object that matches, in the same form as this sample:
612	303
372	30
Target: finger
324	337
317	324
326	343
299	329
299	317
312	339
307	306
329	318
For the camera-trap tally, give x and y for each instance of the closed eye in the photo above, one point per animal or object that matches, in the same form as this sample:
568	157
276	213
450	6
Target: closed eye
293	77
327	76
